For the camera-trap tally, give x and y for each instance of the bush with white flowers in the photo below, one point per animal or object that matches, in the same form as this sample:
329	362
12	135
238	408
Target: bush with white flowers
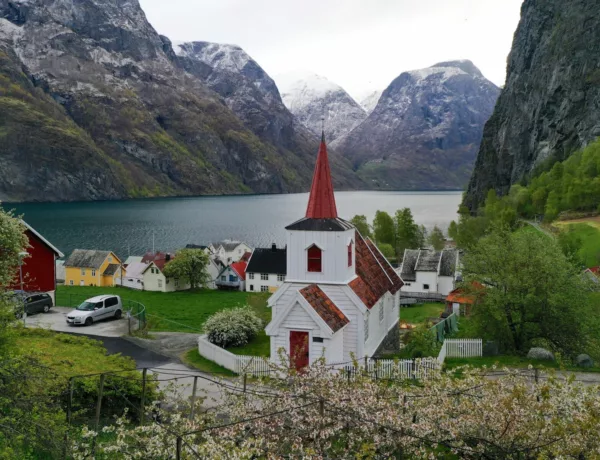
233	328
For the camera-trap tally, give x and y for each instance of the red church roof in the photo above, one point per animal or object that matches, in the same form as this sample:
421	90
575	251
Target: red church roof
321	204
324	307
375	275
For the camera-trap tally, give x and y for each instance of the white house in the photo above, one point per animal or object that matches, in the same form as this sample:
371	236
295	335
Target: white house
133	277
214	269
232	277
266	269
429	271
340	298
229	251
154	278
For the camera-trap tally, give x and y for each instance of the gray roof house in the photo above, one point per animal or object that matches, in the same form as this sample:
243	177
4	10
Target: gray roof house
87	258
429	274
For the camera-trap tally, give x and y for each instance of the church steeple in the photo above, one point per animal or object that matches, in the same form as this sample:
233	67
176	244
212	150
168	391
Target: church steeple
321	204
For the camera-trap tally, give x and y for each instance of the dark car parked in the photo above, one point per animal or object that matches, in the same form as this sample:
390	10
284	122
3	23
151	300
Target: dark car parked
33	303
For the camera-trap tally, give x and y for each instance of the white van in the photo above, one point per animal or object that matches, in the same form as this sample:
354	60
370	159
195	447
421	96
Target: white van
96	309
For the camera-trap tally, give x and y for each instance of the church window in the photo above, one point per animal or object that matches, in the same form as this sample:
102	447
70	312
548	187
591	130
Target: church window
314	259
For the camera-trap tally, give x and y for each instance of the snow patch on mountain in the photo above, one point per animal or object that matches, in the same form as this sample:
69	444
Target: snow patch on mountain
217	55
311	97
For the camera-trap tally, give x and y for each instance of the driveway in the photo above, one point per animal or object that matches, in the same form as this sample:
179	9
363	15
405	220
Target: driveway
56	319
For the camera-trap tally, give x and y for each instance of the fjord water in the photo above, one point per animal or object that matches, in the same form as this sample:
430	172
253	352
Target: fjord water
128	227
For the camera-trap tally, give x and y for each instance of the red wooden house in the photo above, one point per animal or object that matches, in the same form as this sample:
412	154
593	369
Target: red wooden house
39	268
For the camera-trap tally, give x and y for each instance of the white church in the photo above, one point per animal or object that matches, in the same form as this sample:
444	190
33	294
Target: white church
340	298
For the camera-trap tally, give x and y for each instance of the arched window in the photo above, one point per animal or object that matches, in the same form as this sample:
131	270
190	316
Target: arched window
350	254
314	259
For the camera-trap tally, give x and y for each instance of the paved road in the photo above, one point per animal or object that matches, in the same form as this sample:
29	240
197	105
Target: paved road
56	319
167	369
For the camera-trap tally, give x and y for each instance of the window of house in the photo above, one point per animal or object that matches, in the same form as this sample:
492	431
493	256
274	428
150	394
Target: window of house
367	327
314	259
83	272
264	289
93	272
280	277
110	259
252	287
426	286
407	284
223	278
264	277
350	254
177	283
250	276
159	283
233	278
381	312
70	282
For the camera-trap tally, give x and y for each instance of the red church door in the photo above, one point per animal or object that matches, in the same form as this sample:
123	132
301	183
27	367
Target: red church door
299	349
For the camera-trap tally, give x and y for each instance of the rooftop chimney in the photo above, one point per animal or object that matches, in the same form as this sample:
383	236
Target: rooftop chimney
273	247
168	256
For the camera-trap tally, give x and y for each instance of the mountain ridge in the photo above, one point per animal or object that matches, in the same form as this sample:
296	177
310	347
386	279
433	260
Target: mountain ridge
425	129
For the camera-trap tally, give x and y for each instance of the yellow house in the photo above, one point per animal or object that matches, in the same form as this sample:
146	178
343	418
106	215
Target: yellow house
89	267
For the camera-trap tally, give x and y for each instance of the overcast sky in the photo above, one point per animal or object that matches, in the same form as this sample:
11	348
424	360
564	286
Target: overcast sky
359	44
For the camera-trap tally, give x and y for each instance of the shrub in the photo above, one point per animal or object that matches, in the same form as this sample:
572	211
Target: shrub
540	353
420	342
232	328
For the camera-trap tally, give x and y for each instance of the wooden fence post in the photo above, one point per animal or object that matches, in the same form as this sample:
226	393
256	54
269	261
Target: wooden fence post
536	375
245	381
99	401
70	401
178	448
143	400
193	401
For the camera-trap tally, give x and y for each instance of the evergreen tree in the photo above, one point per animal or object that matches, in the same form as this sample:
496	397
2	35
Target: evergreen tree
362	225
383	228
408	234
436	239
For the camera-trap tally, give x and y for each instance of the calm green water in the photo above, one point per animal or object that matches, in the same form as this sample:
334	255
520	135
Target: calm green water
128	227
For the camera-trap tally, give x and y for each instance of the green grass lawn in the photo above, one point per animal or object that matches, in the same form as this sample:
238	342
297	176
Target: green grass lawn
510	361
419	313
69	355
192	358
181	311
590	237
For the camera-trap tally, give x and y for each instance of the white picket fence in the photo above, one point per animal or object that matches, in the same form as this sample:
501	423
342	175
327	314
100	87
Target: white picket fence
421	369
460	348
240	364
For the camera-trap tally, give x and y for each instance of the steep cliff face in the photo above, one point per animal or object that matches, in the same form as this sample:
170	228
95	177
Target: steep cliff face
550	105
110	110
425	129
312	98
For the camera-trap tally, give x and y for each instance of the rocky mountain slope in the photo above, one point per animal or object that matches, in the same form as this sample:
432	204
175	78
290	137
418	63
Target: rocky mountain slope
94	104
550	105
370	100
311	98
425	130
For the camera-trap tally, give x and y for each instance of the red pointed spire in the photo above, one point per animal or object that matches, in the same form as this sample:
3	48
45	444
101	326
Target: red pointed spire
321	204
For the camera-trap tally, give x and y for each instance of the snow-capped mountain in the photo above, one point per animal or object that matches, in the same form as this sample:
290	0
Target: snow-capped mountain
369	100
311	97
425	129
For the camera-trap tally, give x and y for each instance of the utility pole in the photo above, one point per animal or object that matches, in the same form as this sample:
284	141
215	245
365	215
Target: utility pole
22	255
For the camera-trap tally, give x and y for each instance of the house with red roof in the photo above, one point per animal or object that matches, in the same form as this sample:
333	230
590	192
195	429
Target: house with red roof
153	277
460	301
233	277
340	298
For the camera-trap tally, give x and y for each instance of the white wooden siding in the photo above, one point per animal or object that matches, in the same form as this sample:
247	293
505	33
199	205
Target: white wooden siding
255	285
445	284
334	257
350	342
